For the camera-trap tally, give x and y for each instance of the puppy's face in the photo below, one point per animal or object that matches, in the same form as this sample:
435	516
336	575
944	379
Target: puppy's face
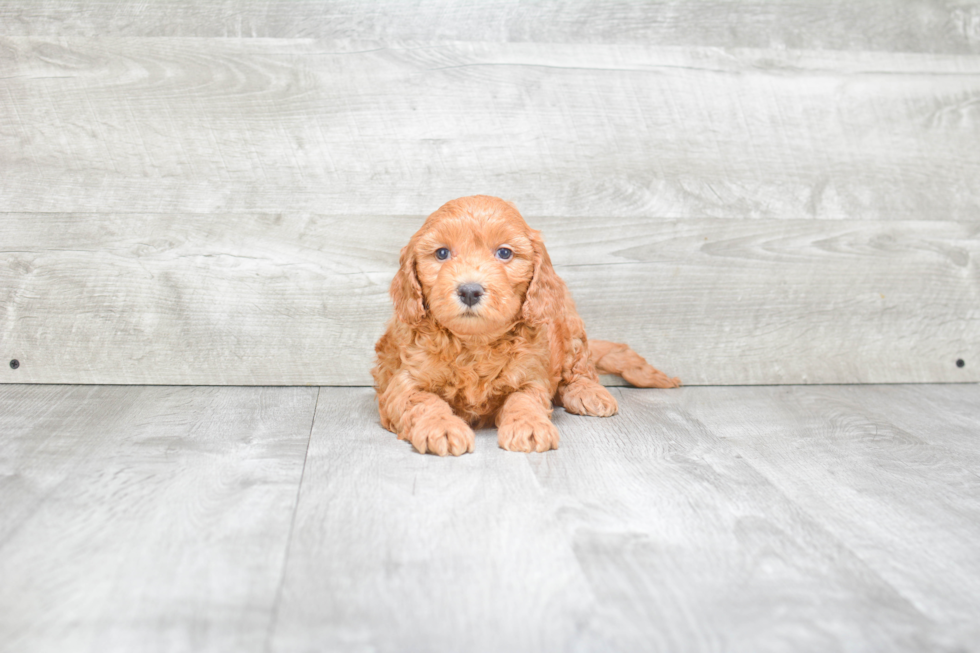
474	261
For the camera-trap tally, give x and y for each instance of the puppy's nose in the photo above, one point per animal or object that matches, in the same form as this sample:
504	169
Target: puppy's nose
470	293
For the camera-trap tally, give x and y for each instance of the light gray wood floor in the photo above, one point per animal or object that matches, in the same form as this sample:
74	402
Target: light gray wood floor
796	518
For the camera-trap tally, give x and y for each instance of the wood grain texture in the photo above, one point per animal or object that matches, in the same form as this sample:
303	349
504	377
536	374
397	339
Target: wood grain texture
649	531
394	551
177	206
145	518
944	417
891	25
698	519
875	465
396	128
294	299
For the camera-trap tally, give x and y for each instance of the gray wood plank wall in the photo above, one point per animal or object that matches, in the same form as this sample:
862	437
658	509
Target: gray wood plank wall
772	192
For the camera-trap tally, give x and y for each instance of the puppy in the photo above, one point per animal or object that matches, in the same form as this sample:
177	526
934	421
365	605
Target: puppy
485	332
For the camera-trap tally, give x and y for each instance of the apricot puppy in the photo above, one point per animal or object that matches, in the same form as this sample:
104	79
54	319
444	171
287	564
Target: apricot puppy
485	332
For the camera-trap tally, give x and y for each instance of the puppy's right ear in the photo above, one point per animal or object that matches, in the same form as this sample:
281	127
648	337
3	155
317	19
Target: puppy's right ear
406	292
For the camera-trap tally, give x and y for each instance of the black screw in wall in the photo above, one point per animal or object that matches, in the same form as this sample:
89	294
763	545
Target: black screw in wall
960	362
14	364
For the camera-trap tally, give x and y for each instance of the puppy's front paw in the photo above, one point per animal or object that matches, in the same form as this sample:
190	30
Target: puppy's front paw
585	397
527	433
440	434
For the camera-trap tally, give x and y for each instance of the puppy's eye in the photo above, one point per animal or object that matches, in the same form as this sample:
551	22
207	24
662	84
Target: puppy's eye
442	253
504	254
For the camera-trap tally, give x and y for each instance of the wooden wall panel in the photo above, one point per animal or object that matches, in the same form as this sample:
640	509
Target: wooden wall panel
228	125
300	299
889	25
216	193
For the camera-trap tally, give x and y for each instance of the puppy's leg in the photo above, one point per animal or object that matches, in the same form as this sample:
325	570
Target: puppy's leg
524	422
424	419
585	396
579	390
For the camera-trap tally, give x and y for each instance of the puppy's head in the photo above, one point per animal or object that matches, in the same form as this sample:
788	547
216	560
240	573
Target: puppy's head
478	268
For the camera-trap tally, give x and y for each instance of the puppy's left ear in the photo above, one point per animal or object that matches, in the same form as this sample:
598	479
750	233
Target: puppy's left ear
406	292
545	298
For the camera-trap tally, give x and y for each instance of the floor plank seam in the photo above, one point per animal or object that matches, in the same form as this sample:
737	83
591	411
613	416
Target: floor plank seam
289	538
828	532
637	423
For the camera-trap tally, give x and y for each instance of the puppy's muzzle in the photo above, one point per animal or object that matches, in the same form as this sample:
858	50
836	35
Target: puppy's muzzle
470	293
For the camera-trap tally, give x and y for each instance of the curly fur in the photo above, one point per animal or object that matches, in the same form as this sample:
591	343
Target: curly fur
443	367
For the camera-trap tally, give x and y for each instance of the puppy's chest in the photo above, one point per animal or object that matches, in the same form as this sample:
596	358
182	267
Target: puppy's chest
477	381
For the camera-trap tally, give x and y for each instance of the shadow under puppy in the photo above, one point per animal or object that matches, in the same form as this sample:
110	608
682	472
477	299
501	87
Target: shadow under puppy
486	332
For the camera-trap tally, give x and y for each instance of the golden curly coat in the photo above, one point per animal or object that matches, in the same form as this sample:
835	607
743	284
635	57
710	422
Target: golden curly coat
486	332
